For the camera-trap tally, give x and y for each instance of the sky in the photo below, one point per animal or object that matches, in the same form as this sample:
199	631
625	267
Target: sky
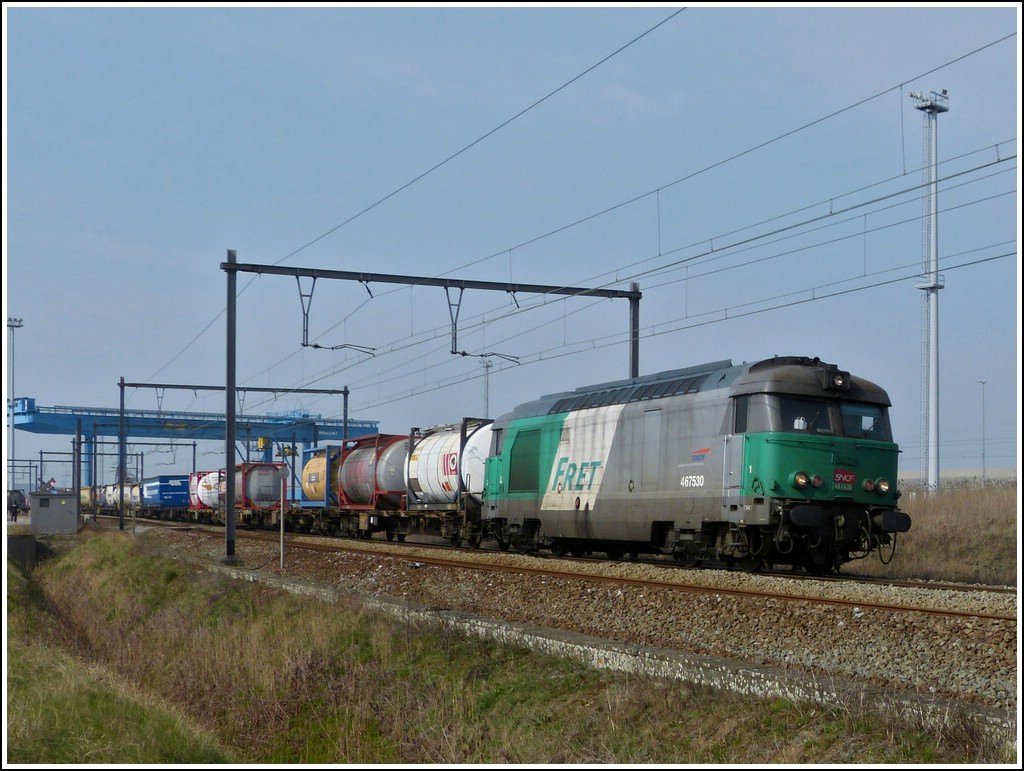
758	171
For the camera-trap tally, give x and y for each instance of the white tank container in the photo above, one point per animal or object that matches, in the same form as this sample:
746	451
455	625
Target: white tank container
210	489
193	489
436	463
112	495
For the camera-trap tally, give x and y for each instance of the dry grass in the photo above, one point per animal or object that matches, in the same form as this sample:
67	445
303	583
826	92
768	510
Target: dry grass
283	679
965	533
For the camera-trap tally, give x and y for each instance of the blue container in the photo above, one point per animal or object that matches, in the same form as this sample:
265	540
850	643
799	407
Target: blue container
165	492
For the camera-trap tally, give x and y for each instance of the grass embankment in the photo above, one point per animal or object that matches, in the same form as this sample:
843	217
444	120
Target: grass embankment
965	533
121	657
65	708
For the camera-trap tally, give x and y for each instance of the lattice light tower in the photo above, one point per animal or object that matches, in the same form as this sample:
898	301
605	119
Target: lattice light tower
931	105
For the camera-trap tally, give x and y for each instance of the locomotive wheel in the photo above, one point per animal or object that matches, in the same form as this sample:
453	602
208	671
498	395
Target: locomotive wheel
558	548
752	564
814	567
687	560
401	537
391	536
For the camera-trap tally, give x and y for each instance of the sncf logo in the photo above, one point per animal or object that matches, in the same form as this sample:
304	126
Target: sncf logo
844	477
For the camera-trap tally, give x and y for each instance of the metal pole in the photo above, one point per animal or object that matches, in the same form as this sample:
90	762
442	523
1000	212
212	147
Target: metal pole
294	480
282	524
76	469
933	318
229	413
634	331
344	424
487	387
122	460
983	479
12	324
932	105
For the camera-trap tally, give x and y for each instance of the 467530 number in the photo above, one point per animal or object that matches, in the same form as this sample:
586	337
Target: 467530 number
692	480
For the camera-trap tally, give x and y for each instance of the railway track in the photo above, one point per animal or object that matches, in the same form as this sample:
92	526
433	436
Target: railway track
939	599
666	563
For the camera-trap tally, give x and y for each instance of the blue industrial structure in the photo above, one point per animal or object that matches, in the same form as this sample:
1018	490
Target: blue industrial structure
285	429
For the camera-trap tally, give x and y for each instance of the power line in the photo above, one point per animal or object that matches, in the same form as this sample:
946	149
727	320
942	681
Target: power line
732	248
729	159
480	139
718	253
723	315
432	169
624	203
428	335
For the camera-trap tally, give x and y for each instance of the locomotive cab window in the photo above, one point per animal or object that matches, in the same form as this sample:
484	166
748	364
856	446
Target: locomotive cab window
810	416
754	413
866	421
740	405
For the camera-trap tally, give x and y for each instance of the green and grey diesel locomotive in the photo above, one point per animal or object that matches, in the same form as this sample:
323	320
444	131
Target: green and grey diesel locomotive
786	461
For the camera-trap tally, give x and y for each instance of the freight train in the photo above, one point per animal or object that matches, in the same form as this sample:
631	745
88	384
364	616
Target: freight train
785	461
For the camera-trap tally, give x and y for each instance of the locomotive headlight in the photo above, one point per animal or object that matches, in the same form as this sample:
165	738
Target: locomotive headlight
836	380
817	481
869	485
800	480
882	486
